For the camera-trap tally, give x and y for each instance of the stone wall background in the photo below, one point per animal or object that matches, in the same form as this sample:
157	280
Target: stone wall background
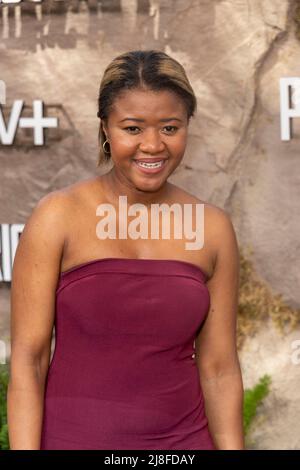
234	53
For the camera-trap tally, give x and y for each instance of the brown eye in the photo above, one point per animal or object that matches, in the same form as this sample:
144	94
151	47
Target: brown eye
130	128
171	129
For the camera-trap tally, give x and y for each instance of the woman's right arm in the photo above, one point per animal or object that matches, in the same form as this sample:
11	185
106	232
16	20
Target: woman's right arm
35	274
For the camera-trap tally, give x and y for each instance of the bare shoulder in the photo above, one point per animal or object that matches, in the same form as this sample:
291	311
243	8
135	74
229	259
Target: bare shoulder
219	220
49	214
224	244
44	231
52	216
220	224
219	230
64	200
216	215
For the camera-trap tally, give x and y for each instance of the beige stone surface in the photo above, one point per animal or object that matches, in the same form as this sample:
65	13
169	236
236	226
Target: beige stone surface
234	53
276	425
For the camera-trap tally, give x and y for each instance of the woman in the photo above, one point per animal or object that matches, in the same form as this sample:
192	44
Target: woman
127	309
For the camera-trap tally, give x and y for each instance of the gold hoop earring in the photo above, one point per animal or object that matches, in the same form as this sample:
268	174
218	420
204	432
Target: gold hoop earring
107	152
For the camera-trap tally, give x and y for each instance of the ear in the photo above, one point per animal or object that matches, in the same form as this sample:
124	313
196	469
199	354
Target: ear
104	127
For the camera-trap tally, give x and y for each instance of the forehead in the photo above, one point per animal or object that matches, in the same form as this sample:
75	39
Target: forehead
147	104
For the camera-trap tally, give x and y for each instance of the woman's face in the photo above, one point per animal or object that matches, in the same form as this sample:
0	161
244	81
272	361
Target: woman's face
148	126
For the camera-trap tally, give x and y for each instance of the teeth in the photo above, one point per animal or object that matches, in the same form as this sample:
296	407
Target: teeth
150	165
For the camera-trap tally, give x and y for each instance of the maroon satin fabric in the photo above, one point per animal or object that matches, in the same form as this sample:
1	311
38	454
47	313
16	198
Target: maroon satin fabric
123	375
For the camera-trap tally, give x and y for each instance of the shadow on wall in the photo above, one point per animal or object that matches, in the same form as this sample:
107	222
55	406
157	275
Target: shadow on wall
55	23
257	304
297	19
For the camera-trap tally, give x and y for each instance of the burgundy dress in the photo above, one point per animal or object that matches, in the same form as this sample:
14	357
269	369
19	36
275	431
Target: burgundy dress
123	373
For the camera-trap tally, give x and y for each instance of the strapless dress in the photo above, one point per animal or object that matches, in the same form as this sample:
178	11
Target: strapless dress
123	373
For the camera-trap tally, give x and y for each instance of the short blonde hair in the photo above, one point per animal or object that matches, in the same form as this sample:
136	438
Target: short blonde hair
151	69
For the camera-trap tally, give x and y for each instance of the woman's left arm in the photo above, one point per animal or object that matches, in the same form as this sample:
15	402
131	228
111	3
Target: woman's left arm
216	349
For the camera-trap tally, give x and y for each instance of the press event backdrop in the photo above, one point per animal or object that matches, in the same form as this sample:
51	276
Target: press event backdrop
243	60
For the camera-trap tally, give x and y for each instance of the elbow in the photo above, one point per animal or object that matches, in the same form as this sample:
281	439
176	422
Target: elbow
26	364
218	367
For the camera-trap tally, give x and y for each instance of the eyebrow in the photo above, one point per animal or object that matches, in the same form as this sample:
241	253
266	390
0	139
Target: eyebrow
143	120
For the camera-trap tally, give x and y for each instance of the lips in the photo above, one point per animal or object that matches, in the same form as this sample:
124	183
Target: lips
141	165
150	160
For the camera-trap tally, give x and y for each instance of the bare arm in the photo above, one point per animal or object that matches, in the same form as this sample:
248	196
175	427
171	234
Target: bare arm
35	273
216	352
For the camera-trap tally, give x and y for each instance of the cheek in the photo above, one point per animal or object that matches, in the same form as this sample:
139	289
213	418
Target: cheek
122	145
178	144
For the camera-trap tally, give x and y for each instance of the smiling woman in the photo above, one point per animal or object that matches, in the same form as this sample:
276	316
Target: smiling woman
154	90
128	311
149	151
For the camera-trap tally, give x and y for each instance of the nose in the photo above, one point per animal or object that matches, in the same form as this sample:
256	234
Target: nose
151	142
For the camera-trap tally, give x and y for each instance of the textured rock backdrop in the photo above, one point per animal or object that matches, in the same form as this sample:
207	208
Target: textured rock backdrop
234	53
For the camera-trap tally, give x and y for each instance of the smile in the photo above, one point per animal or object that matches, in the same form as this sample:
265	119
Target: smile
150	167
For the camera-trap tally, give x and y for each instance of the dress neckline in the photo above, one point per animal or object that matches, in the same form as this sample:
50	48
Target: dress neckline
63	274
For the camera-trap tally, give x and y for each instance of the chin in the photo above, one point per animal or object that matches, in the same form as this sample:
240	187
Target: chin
149	186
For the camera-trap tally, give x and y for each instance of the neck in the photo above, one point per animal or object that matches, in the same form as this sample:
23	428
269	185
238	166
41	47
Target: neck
119	186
